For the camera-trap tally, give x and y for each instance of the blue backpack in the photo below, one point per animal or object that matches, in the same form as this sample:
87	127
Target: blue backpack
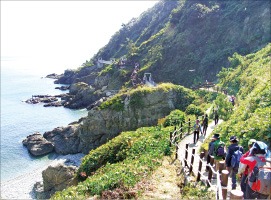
235	158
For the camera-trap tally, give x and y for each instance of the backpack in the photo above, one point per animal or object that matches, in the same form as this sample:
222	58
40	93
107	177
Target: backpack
235	158
260	178
220	150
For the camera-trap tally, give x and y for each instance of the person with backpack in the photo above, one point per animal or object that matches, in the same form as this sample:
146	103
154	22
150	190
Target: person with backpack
234	154
205	124
245	174
197	129
217	150
210	152
259	172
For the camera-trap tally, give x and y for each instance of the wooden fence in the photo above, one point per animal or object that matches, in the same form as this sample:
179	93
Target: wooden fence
221	175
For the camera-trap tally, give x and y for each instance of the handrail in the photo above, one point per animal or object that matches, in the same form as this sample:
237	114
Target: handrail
173	141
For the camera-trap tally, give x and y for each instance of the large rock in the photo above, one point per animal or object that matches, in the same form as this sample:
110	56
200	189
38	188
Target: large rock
58	177
65	139
82	95
55	178
38	145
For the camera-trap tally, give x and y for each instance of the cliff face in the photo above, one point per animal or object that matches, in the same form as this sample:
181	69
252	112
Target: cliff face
126	111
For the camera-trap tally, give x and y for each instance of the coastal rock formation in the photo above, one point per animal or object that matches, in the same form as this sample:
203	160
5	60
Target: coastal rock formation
63	88
58	177
81	96
86	75
38	145
49	100
128	111
53	76
55	178
65	139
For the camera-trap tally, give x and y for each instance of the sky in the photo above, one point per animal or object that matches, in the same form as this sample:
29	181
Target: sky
61	34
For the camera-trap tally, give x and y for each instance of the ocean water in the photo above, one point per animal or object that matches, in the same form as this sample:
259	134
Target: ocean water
18	119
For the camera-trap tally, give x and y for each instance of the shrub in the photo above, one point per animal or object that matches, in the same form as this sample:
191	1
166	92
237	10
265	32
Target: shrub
174	118
194	110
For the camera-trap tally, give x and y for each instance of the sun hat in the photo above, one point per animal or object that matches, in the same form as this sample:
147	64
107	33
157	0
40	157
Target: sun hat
251	141
233	138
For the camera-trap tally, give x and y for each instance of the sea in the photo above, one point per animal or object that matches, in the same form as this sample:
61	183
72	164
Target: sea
19	81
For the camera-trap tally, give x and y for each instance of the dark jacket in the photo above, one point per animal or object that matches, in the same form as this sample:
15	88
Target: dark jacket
211	148
231	149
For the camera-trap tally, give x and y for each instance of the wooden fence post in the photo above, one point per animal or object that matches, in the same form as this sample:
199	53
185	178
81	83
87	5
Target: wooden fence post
192	160
176	154
210	169
200	165
221	165
181	131
186	155
189	124
208	161
170	138
236	194
224	182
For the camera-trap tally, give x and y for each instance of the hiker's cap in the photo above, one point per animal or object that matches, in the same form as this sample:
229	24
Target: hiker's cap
216	136
259	147
251	142
233	138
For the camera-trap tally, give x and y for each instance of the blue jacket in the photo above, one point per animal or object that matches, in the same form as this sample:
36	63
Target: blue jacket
231	149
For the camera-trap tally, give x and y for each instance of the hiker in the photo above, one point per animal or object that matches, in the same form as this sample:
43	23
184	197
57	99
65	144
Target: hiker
217	150
232	100
216	116
205	124
234	154
197	129
210	148
245	174
259	181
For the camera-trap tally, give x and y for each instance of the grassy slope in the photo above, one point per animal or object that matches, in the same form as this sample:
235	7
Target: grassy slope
249	80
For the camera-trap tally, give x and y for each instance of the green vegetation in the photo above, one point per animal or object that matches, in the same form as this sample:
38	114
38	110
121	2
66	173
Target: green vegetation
250	118
194	110
197	190
120	163
136	96
174	118
175	36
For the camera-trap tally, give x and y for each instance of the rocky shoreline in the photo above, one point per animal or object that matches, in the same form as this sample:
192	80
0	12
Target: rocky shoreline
22	187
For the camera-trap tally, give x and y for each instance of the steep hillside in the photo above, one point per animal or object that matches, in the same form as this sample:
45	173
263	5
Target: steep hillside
184	42
249	79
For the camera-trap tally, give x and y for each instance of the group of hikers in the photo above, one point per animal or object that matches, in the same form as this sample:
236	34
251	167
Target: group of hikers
253	167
